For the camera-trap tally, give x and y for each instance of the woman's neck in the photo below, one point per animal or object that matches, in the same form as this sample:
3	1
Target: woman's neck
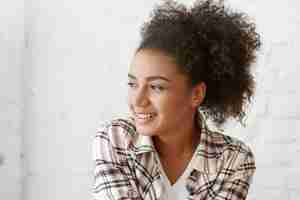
180	143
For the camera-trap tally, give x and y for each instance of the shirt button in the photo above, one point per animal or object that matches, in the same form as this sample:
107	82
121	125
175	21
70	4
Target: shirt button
132	193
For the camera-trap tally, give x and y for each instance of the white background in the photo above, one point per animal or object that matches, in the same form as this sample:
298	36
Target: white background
63	69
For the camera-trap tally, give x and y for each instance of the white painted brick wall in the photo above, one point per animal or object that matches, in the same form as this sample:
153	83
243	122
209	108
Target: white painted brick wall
75	76
11	97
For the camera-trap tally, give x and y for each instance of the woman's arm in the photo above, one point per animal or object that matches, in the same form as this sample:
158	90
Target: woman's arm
111	178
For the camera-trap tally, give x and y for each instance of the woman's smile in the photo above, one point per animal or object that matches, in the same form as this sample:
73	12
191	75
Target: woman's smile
144	118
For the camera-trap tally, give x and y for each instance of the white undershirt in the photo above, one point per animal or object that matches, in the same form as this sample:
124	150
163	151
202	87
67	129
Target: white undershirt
177	191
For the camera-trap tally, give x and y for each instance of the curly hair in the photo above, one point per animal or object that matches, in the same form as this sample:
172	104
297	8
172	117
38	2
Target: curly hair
211	44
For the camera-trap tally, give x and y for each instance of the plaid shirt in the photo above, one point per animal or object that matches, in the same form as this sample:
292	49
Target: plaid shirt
126	166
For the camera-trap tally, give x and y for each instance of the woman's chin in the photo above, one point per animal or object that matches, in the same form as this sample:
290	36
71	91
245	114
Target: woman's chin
145	127
146	131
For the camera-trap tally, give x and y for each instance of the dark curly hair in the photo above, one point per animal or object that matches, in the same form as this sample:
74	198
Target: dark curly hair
211	44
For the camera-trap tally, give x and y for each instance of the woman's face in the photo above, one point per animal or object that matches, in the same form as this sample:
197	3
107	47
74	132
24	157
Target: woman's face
159	96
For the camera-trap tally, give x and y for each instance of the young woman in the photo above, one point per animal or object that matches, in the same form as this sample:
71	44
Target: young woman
191	65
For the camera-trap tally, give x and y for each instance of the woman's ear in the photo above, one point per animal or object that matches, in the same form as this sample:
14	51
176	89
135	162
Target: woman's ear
199	92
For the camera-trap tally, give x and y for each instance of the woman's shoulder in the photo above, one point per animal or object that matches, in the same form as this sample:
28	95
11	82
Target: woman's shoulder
225	152
118	131
228	146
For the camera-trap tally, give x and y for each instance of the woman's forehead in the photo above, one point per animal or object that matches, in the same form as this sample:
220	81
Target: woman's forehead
147	63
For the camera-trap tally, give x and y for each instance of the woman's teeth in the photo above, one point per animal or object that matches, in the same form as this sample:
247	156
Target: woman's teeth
144	116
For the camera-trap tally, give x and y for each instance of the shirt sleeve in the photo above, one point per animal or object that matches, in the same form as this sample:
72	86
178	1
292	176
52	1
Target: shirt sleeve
235	186
112	177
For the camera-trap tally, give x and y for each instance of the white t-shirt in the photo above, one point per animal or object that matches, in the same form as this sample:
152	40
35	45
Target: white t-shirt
178	190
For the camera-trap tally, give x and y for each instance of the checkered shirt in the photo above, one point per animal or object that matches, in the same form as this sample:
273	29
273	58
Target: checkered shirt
126	167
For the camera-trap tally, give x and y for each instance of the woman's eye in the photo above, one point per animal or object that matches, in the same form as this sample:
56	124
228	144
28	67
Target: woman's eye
157	88
132	85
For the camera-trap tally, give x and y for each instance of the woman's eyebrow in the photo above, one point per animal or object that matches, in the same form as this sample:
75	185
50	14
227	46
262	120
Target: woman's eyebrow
150	78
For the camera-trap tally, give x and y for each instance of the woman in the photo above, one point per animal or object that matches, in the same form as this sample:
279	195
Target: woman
191	65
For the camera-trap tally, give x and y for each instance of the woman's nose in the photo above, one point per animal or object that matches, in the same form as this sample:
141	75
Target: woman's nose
140	97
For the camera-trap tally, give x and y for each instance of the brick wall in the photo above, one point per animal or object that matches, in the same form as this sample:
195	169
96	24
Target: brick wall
11	98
